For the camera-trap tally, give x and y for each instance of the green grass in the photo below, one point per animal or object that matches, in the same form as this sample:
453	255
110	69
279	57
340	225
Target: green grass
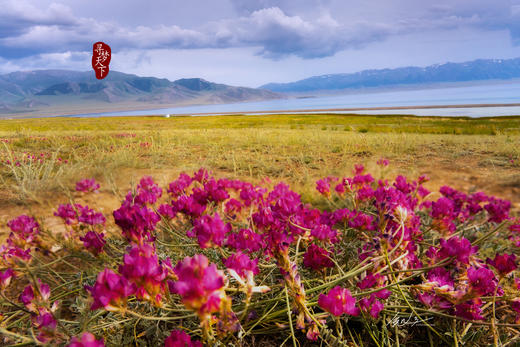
364	123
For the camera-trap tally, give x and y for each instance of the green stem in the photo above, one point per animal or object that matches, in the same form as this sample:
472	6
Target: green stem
486	236
454	328
15	335
493	317
289	314
138	315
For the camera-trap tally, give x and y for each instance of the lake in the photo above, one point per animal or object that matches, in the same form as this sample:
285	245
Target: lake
499	93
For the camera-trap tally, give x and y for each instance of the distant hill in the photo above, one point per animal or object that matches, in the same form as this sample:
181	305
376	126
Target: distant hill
477	70
63	90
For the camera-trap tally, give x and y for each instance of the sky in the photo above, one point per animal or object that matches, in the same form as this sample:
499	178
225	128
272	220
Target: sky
250	43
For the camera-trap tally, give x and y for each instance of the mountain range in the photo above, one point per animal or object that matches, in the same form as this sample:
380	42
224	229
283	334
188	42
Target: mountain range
64	91
58	92
477	70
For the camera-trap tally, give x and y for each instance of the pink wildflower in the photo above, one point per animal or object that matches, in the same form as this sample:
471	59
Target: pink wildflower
89	216
383	162
245	240
325	233
189	206
338	301
210	231
201	176
24	227
21	241
340	188
180	185
361	221
32	298
87	340
166	210
179	338
87	185
242	264
216	190
94	242
110	291
422	192
482	281
433	301
441	277
200	284
498	210
232	207
250	194
505	263
67	213
45	324
147	192
5	278
74	214
458	247
317	258
323	186
371	305
470	310
515	305
358	169
141	267
371	281
136	221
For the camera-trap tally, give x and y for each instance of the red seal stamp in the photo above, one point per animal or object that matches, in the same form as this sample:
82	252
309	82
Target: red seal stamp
101	55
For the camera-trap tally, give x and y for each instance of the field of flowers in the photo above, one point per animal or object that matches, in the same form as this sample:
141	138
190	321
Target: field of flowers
215	261
282	238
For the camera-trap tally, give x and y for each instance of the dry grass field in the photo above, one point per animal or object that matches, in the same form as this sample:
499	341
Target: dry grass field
311	253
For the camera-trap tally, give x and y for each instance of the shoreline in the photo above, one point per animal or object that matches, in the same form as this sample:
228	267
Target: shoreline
347	109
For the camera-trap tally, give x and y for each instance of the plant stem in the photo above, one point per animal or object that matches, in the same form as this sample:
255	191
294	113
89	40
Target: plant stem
289	314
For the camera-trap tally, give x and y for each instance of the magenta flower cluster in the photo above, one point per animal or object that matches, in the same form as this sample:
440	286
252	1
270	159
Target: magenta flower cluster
94	242
76	214
87	185
200	284
86	340
22	240
388	231
110	291
386	217
141	267
36	299
339	301
179	338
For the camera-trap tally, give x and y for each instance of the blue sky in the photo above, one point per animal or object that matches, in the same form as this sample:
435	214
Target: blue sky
250	43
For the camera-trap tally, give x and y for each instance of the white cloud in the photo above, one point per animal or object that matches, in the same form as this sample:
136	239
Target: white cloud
65	60
228	41
275	28
23	11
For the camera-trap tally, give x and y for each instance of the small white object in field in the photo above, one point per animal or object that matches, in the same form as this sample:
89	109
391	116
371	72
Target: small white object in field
167	115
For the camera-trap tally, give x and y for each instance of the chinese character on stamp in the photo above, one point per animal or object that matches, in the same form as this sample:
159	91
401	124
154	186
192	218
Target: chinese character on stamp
101	55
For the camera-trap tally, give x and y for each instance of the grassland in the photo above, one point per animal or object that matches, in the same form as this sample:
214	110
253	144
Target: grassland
463	152
41	159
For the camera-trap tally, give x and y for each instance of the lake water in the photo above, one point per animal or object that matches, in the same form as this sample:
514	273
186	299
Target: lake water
504	93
